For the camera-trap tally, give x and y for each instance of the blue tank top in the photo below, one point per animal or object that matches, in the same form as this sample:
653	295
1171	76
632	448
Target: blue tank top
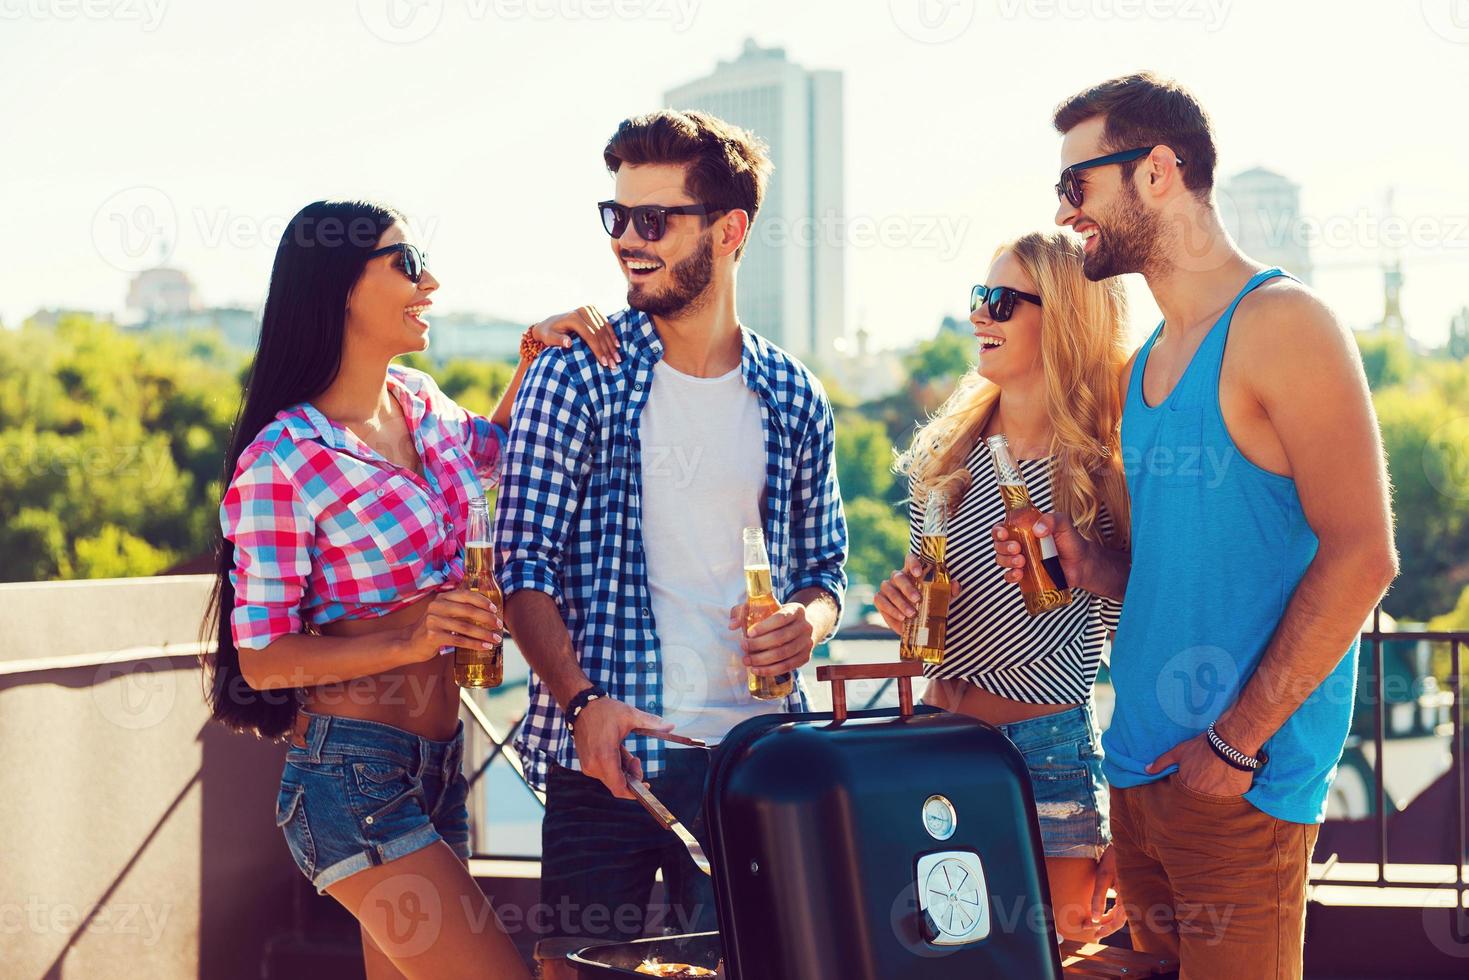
1218	547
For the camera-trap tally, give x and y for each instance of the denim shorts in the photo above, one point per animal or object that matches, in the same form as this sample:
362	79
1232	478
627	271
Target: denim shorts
1064	754
362	793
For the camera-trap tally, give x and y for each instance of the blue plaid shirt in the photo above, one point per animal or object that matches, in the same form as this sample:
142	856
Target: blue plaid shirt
569	516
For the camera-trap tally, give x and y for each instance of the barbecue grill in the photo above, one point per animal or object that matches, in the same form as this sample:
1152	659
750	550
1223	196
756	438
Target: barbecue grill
869	845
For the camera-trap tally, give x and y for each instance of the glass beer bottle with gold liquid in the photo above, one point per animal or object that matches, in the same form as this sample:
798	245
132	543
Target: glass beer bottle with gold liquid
761	603
1042	582
924	633
475	666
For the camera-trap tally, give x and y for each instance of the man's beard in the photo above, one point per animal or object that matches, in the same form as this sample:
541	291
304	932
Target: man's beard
1132	243
689	290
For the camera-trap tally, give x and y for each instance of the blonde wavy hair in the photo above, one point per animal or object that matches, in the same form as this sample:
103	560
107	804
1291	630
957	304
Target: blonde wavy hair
1083	351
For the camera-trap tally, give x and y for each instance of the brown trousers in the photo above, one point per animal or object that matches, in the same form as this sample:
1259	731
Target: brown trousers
1212	881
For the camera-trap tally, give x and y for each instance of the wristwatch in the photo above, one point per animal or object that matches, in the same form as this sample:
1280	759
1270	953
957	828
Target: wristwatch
578	703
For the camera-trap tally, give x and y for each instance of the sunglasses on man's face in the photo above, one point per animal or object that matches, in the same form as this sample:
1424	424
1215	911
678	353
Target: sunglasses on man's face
650	221
414	263
1070	185
999	300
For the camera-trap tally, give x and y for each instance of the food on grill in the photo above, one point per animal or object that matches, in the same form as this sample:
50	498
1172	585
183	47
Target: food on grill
676	971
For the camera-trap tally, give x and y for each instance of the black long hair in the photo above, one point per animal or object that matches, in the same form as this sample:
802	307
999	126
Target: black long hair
320	258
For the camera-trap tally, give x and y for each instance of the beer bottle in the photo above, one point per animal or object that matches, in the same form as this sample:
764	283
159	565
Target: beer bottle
1042	582
923	634
475	666
761	603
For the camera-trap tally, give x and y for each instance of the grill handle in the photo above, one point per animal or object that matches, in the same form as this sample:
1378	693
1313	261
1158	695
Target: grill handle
839	674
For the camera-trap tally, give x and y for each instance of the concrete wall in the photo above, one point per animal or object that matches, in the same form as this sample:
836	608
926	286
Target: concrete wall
138	837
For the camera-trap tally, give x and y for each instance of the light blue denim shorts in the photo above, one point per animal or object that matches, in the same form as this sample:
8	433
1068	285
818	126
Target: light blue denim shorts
362	793
1064	754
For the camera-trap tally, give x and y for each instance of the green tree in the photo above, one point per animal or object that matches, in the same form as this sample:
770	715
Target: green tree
864	457
110	448
1386	359
877	540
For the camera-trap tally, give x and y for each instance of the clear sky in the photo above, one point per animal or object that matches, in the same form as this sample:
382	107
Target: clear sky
208	124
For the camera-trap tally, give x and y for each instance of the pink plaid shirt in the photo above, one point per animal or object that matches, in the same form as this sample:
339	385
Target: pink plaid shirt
325	528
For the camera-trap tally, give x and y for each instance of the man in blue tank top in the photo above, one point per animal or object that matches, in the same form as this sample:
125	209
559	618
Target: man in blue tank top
1262	539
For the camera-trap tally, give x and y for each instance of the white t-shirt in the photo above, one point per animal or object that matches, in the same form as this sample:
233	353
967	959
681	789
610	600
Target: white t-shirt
703	468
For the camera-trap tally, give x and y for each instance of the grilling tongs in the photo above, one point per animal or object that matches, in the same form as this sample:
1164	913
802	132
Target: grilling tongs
837	674
660	812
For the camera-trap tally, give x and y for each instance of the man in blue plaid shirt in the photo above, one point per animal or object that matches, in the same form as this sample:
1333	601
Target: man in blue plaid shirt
619	527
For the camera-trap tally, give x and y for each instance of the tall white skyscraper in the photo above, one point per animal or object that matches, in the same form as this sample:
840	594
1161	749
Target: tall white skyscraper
791	279
1262	210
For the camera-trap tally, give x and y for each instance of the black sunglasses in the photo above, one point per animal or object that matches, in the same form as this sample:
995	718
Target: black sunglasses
415	263
999	299
1070	185
650	220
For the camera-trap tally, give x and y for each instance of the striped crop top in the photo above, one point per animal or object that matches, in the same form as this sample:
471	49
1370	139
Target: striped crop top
992	641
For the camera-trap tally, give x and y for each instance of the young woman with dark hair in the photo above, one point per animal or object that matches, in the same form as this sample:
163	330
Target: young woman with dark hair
347	485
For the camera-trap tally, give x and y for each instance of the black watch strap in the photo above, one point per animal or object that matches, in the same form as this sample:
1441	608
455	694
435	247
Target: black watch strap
583	698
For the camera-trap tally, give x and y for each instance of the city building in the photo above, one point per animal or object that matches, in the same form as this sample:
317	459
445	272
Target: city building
792	279
161	291
1262	211
861	372
473	336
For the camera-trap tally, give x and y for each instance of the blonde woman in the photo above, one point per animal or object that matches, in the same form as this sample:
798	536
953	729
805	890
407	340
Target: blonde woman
1051	348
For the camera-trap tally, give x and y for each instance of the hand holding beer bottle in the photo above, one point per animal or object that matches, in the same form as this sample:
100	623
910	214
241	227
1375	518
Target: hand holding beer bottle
476	666
924	632
1042	580
760	604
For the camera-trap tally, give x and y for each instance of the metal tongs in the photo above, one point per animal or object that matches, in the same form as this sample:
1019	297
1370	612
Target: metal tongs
661	813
